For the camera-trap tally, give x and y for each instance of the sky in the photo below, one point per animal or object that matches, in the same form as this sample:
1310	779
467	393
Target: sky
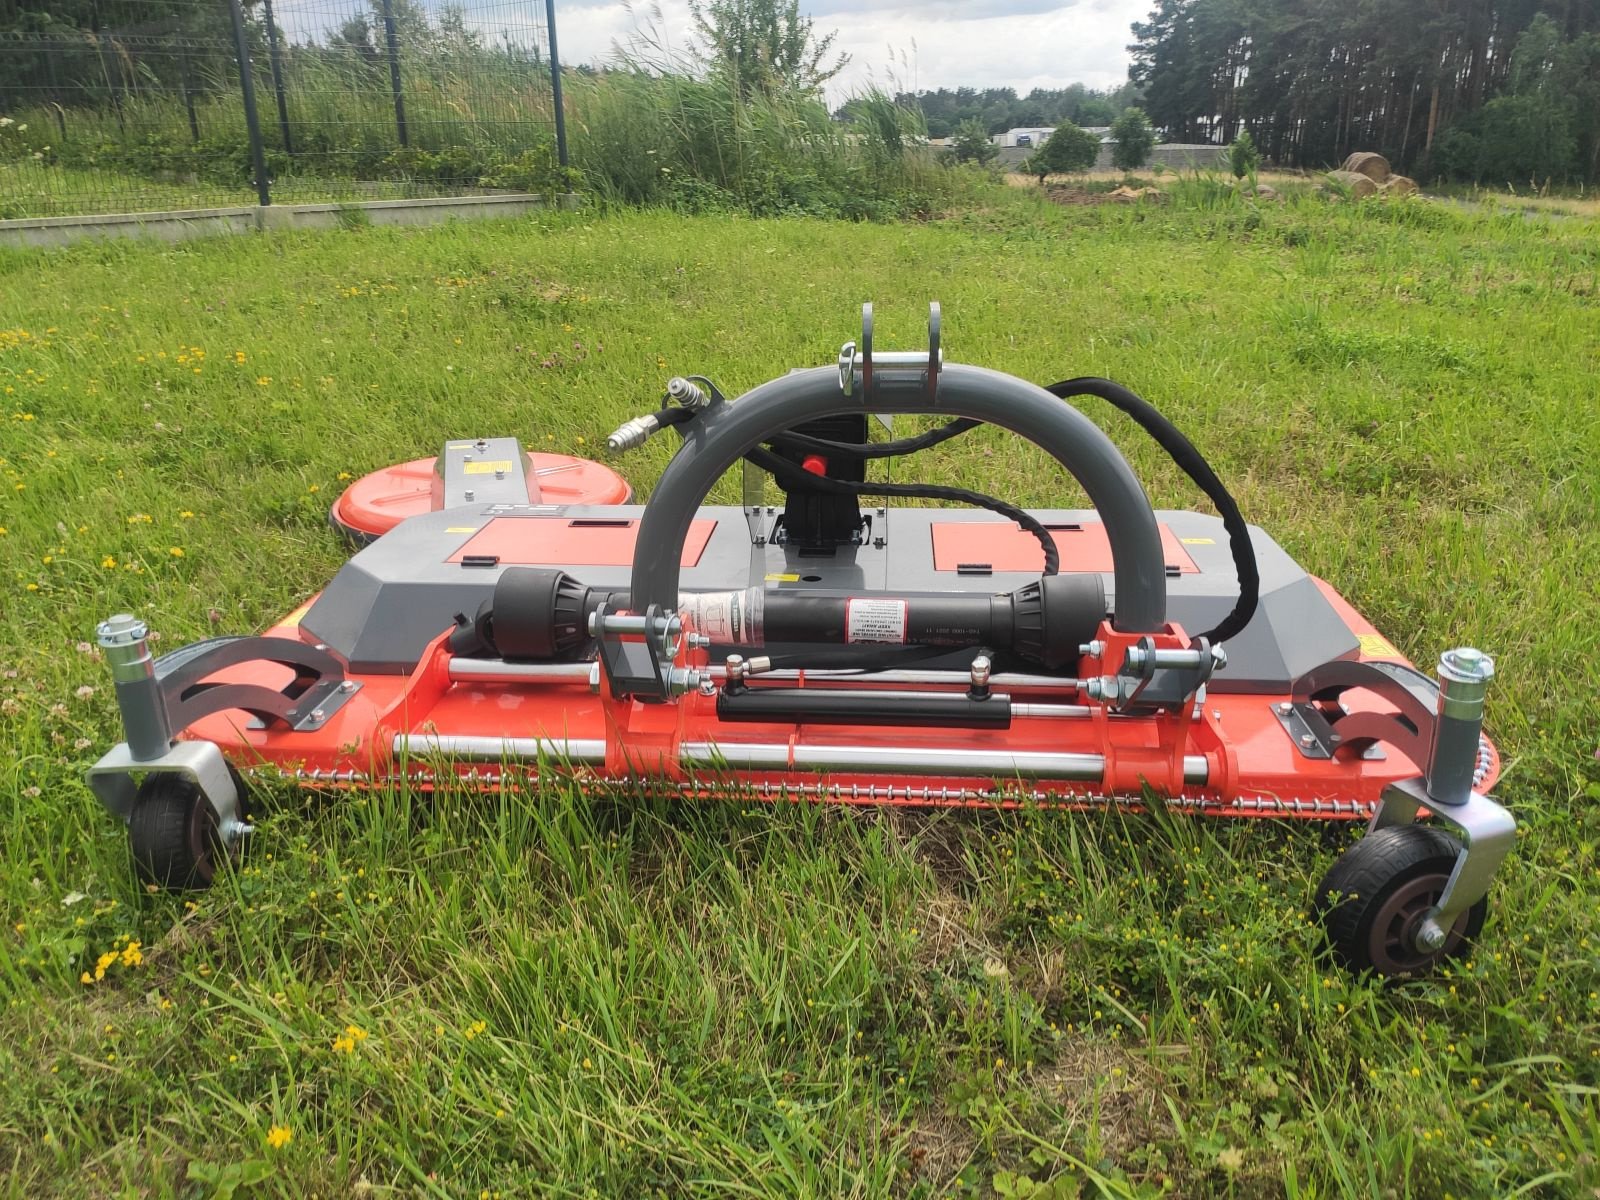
907	46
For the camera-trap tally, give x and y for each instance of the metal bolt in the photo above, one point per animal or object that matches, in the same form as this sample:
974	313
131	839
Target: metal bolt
349	685
1306	739
499	473
699	641
318	714
1284	709
1430	935
980	671
120	630
1092	649
469	493
708	686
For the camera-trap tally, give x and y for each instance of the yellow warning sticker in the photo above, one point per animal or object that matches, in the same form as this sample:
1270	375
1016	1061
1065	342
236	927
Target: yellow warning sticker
783	579
1199	541
486	467
462	529
459	446
1375	645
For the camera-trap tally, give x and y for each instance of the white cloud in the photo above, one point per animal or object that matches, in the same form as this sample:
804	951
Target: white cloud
943	43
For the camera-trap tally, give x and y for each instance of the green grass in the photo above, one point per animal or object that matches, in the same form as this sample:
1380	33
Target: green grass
568	998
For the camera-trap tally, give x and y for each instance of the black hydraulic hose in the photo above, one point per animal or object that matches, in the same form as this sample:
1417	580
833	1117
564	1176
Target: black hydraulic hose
1183	452
1167	435
798	478
790	440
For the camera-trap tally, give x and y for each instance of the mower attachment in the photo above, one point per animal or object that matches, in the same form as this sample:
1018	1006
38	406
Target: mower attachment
831	650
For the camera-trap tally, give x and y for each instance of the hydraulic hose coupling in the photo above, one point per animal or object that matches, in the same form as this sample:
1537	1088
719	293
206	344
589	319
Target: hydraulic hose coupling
1464	676
633	434
685	394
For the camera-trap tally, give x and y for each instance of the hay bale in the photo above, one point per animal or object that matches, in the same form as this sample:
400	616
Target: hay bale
1361	186
1374	166
1400	185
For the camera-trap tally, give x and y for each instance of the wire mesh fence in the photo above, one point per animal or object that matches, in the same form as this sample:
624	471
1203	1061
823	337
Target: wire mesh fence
135	105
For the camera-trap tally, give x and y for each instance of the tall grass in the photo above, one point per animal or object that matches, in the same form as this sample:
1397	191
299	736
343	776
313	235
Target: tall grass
698	1000
658	129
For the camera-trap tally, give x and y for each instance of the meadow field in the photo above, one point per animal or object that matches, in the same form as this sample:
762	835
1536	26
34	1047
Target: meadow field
533	995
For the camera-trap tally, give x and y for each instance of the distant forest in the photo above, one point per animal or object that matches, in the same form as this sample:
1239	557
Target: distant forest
999	109
1495	91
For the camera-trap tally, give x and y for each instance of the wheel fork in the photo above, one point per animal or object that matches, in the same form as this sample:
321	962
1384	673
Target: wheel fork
1487	831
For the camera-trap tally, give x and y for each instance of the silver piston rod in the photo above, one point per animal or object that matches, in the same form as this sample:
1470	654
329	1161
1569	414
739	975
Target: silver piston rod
496	670
781	756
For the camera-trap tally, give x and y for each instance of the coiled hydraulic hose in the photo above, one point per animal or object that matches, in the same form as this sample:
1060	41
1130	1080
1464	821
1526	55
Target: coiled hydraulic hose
1167	435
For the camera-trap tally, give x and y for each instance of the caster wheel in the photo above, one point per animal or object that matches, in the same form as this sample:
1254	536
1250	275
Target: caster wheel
1374	897
173	833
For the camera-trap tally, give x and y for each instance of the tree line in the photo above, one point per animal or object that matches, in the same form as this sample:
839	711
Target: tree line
1495	91
946	110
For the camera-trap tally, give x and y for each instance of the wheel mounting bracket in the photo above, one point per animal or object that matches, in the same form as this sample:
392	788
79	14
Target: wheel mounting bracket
1487	832
114	783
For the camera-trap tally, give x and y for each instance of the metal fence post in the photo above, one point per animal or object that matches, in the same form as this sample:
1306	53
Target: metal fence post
188	89
275	58
392	37
555	81
247	87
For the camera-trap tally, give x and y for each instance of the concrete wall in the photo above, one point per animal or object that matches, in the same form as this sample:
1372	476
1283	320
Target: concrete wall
182	224
1175	156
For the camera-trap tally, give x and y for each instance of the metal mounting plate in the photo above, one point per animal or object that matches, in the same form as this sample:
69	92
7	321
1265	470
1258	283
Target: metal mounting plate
1311	734
113	781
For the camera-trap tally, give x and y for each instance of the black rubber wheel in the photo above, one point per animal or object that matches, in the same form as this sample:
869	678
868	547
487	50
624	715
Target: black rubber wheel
173	833
1374	897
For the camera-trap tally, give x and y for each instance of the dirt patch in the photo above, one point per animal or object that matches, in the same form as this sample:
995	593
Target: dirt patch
1115	1087
938	1145
1120	1086
1076	195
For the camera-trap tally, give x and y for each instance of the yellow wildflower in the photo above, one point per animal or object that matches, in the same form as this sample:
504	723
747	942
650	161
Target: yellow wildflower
279	1136
175	551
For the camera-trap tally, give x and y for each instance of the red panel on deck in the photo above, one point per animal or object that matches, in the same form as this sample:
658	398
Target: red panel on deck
570	541
1008	547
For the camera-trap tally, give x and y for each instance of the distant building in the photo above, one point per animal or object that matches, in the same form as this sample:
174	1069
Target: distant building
1028	137
1024	137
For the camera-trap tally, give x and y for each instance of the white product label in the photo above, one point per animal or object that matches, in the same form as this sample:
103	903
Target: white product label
875	620
727	618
